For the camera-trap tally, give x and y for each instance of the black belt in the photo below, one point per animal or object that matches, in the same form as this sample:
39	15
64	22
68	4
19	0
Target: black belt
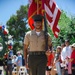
37	53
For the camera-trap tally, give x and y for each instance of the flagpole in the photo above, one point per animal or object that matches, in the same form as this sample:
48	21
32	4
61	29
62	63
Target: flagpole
45	32
37	7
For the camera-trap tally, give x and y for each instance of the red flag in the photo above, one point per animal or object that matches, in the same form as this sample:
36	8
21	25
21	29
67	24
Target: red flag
0	27
53	14
35	7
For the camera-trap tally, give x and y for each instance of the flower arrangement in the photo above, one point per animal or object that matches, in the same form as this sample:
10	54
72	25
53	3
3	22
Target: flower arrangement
4	36
4	30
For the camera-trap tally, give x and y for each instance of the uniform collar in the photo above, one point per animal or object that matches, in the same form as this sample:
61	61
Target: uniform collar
34	32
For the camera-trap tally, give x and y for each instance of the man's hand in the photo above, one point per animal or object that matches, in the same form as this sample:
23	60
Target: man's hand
26	65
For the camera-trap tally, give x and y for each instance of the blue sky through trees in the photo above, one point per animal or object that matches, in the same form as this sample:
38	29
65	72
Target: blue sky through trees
9	8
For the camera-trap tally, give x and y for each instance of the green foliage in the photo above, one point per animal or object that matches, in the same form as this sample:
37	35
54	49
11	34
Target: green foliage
71	32
67	30
17	26
3	38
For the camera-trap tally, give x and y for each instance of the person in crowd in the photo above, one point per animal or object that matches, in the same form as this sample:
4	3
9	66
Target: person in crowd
49	66
66	53
23	60
9	62
35	40
1	64
57	60
19	60
62	64
62	45
14	61
72	59
5	62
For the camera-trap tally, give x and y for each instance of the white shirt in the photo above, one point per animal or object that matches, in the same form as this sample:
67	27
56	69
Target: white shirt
38	33
66	52
14	60
19	60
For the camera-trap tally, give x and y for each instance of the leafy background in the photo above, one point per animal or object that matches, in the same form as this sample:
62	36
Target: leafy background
18	26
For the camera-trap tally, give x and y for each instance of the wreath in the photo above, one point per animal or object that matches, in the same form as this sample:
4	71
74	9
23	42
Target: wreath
3	40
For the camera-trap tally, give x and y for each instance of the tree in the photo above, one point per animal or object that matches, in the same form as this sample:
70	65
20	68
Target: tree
71	31
66	30
3	40
17	26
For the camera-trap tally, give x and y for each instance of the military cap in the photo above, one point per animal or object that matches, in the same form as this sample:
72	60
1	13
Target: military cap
38	17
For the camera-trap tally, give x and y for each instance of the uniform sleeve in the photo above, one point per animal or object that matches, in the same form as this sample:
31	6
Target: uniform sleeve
26	39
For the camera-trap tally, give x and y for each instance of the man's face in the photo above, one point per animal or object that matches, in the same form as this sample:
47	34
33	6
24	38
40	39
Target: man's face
66	43
38	24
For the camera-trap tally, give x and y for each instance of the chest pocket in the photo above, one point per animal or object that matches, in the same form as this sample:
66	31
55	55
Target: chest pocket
42	39
33	40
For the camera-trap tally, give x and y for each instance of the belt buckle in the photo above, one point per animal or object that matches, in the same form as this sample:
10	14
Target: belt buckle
37	53
34	53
